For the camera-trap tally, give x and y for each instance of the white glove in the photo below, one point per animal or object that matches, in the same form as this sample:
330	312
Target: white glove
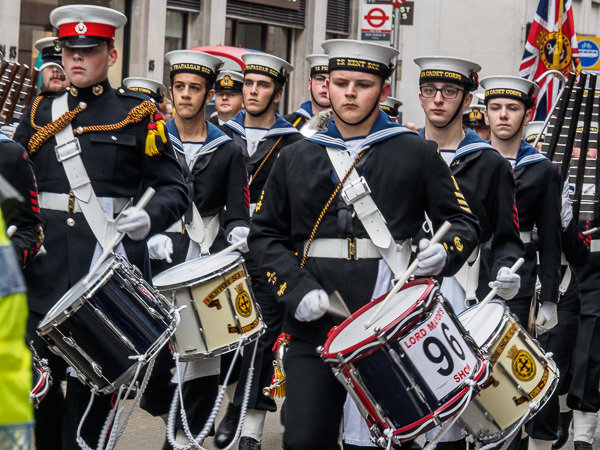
160	246
312	306
432	259
135	222
9	130
508	284
547	317
239	234
566	210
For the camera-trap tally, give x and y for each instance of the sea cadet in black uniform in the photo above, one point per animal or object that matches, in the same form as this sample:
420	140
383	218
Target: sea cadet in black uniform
406	177
261	133
228	96
123	152
509	101
153	89
215	173
26	232
391	106
317	86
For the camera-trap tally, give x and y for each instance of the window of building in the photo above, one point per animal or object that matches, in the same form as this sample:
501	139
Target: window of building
175	37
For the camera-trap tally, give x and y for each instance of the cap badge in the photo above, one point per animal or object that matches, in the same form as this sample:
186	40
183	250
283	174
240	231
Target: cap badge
80	28
226	81
56	45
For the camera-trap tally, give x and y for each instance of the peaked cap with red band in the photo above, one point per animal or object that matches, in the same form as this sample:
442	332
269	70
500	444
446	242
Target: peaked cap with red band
86	25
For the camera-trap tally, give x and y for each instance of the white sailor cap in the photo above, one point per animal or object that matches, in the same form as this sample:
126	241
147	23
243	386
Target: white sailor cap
504	86
391	106
473	115
86	25
152	88
448	69
348	54
229	80
50	49
268	65
318	64
191	61
531	131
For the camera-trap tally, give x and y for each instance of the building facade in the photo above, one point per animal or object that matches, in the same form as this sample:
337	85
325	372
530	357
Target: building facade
490	33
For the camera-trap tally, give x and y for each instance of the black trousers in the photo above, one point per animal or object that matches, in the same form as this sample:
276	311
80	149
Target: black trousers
583	391
272	313
57	418
314	400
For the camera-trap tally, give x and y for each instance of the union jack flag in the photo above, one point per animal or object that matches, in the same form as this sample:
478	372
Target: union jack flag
551	45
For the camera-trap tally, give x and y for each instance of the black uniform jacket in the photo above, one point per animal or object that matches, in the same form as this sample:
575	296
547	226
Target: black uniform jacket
406	175
16	168
217	180
588	272
538	204
259	164
117	165
302	115
486	180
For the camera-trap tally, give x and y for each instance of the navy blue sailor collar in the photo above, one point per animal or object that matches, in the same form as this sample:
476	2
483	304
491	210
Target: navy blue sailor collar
214	137
528	155
281	127
305	110
472	142
382	129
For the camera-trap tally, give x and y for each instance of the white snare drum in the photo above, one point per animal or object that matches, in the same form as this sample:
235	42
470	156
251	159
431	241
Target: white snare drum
521	374
220	305
412	369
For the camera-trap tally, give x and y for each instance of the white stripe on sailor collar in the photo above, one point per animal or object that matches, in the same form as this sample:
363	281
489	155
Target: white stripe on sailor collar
470	148
304	113
530	159
378	136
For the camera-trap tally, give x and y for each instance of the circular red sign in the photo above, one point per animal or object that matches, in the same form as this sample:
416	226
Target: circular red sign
376	18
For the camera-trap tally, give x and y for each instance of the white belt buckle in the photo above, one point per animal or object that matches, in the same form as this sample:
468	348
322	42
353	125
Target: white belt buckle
355	191
67	150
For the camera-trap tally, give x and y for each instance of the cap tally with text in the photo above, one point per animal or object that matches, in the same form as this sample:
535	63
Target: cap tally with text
531	131
191	61
229	80
449	70
50	49
360	56
473	115
269	65
153	89
510	87
318	64
391	106
86	25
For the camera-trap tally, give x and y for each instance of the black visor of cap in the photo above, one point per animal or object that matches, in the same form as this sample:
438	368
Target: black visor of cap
83	41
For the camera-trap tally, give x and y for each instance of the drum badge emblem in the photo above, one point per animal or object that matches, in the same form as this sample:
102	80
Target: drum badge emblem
523	364
243	305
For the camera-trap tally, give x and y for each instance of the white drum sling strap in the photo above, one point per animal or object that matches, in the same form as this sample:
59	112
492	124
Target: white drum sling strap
68	152
356	192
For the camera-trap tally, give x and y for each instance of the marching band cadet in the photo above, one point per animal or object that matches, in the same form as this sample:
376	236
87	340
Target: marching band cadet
228	96
484	177
509	102
317	86
215	174
406	178
564	337
122	152
52	73
261	133
391	106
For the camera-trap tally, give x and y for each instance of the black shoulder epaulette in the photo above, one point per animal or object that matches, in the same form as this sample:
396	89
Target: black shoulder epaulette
124	92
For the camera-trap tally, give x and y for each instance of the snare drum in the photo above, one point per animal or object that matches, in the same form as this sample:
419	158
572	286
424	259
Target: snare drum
410	370
220	305
521	373
101	327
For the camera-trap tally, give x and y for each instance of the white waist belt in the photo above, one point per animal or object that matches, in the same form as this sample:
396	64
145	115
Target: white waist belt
595	245
178	227
68	202
349	248
252	208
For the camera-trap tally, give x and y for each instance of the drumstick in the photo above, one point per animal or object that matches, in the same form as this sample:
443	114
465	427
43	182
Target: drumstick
144	200
404	278
516	266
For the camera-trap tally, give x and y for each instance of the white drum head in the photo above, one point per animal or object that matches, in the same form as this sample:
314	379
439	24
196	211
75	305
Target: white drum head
355	333
192	270
484	323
